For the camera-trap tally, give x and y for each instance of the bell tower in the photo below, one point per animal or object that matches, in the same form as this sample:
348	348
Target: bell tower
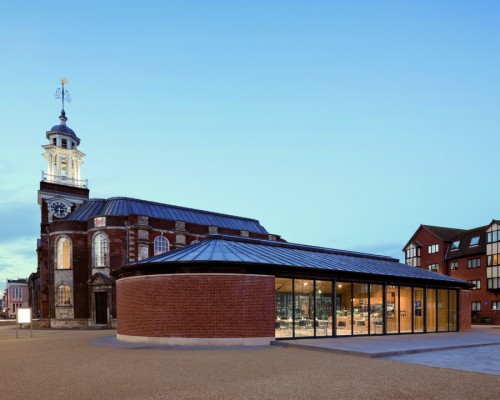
62	190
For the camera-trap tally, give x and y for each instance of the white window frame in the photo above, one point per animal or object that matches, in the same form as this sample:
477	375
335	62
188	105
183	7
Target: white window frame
434	267
433	248
476	241
100	257
60	261
63	298
143	252
161	245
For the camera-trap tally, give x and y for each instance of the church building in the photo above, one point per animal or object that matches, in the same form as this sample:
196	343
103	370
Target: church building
82	240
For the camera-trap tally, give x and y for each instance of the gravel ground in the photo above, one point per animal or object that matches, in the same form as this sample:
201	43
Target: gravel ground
68	364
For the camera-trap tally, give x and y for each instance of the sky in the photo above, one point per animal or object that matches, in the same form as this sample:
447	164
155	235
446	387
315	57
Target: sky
342	124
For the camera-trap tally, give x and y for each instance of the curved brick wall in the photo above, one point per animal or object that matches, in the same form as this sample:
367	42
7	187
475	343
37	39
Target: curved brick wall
194	306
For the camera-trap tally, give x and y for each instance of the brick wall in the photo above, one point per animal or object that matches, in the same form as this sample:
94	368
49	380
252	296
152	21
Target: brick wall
464	312
196	306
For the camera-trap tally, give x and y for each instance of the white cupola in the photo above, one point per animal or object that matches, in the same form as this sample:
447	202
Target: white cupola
63	157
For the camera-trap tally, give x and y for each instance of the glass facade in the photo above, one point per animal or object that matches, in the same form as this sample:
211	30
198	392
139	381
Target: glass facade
405	309
418	309
324	307
343	312
360	307
430	310
305	308
376	309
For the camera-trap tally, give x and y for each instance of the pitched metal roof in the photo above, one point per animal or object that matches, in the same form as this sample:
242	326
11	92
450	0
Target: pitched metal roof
230	249
127	206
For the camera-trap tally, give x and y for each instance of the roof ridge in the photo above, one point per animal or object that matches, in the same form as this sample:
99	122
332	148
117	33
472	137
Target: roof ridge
180	207
305	247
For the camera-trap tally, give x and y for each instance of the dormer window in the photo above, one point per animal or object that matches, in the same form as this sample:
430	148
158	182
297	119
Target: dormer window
474	241
455	245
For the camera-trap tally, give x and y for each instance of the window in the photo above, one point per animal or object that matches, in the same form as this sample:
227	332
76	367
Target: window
493	272
99	221
63	295
493	236
476	306
454	265
434	267
474	263
143	252
413	256
455	245
495	305
63	253
64	143
474	241
433	248
476	283
180	225
101	250
494	259
161	245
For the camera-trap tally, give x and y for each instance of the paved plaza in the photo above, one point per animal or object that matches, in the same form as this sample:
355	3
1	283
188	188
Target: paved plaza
94	365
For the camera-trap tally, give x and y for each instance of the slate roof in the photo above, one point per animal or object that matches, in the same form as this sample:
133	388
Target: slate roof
464	248
230	249
127	206
443	233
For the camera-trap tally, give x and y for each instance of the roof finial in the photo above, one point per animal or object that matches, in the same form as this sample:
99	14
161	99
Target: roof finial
64	96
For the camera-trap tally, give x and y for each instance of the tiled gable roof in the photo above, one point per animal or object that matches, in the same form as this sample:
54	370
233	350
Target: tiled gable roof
443	233
464	248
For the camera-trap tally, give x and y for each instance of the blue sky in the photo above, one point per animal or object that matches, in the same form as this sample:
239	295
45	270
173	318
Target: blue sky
343	124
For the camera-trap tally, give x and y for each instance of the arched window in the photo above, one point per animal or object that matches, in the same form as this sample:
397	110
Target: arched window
161	245
63	295
63	253
101	250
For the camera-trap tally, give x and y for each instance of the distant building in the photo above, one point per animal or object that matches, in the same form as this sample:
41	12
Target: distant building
16	294
472	255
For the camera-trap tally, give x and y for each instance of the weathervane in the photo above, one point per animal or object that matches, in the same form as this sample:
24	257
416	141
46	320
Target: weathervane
63	94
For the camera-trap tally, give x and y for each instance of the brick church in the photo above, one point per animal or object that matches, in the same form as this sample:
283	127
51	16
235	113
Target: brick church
83	239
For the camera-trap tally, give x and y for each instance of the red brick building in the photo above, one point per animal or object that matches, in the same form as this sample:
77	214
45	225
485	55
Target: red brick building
472	255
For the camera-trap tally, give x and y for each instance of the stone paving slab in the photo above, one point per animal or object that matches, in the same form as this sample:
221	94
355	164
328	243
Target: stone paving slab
477	350
391	345
478	359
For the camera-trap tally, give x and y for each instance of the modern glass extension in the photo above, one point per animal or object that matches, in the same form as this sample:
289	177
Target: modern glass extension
319	308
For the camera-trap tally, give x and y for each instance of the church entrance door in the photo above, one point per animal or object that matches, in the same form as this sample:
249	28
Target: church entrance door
101	308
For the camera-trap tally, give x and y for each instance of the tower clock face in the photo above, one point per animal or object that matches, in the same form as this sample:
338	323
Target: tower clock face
59	209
